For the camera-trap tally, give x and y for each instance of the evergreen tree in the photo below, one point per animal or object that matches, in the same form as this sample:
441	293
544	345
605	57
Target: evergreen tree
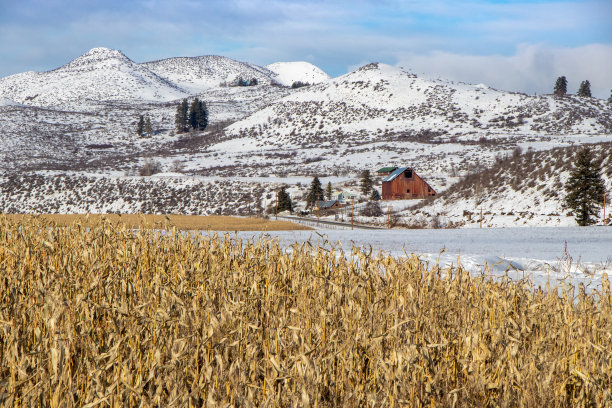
328	191
366	182
610	98
198	115
180	119
141	126
585	89
299	84
194	114
148	128
203	117
561	86
315	193
374	196
585	189
283	201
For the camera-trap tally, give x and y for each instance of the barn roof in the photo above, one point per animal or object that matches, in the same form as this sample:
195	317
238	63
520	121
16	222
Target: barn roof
395	173
326	204
386	169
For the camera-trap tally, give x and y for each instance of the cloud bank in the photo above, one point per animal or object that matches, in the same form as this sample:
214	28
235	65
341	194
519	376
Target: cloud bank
514	45
532	69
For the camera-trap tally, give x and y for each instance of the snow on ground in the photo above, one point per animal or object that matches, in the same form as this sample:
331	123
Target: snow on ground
289	72
545	255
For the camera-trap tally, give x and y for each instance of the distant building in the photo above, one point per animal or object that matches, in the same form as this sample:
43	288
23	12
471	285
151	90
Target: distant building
327	205
403	183
385	171
343	196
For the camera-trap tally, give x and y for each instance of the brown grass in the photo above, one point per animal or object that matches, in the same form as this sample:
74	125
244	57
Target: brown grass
110	316
180	222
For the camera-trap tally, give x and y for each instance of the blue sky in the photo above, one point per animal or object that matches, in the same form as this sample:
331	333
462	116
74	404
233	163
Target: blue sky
513	45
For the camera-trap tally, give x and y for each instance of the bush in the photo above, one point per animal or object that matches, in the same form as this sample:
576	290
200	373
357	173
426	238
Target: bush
371	209
150	167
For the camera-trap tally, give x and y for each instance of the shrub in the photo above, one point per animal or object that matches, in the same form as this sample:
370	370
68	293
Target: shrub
150	167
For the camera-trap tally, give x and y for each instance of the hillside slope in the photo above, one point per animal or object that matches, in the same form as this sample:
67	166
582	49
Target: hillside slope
286	73
379	102
101	74
197	74
520	190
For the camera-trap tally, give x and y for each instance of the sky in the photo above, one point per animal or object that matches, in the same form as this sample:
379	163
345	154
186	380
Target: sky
510	45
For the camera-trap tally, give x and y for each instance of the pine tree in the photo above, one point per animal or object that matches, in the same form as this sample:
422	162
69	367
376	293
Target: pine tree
148	128
585	89
328	192
194	113
180	119
203	117
198	115
560	86
141	126
366	182
610	98
585	189
315	193
374	196
284	201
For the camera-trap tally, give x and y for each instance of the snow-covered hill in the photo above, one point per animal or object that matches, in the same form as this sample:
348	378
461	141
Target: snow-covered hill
382	103
286	73
520	190
197	74
101	74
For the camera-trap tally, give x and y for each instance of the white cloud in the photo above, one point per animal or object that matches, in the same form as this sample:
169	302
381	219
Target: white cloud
532	69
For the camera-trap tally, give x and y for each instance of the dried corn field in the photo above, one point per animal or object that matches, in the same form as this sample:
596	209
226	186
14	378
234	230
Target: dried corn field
115	317
166	221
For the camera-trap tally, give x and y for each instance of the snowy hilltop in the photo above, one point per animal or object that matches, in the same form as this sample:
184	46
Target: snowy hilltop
288	73
100	74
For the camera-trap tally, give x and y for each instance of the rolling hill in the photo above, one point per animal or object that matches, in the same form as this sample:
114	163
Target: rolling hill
286	73
382	103
197	74
101	74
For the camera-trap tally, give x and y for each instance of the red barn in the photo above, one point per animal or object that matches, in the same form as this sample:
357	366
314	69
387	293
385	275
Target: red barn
403	183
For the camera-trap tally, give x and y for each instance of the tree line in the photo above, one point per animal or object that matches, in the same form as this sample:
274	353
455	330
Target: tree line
193	117
561	88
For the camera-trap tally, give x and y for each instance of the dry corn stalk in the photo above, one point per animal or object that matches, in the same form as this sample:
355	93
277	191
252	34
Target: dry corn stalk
111	316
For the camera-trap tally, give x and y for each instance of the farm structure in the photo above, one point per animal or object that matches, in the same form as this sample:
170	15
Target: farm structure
385	171
403	183
327	205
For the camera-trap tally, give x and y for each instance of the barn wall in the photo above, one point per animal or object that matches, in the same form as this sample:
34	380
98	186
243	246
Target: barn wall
403	187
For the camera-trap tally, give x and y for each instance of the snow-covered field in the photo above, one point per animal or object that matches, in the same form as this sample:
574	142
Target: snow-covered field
558	256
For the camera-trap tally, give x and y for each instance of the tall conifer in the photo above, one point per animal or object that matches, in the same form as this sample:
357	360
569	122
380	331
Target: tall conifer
585	89
560	86
366	182
180	119
284	200
315	193
141	126
585	189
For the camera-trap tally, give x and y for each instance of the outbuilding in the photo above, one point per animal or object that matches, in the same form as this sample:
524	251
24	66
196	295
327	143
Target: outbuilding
327	205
